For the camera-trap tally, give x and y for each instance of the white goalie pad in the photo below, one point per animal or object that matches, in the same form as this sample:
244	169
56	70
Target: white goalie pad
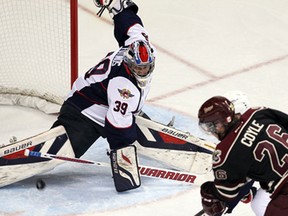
15	166
178	149
16	173
149	128
192	162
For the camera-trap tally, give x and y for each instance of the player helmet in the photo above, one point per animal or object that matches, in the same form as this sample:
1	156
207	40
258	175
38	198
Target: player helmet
216	115
140	59
239	99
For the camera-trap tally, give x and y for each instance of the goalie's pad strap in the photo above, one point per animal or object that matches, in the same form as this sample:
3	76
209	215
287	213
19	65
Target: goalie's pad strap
125	168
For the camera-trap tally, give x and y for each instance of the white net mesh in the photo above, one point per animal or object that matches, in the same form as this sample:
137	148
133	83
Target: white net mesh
35	44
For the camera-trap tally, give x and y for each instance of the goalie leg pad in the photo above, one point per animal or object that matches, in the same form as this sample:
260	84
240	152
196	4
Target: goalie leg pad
188	161
125	170
15	166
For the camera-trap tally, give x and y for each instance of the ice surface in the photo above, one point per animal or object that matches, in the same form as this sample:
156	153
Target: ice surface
205	48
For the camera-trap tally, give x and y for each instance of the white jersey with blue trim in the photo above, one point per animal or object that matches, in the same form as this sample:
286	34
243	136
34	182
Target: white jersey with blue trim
110	91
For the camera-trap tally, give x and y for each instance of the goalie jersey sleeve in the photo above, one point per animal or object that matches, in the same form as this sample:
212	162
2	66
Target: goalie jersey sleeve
128	28
256	149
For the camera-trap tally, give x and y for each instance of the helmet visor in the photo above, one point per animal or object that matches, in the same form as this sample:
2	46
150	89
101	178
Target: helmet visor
211	127
208	127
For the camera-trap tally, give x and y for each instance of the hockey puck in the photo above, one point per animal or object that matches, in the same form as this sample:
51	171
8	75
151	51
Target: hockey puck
40	184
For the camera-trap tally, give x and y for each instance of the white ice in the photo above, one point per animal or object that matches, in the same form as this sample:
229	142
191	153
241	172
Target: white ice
205	48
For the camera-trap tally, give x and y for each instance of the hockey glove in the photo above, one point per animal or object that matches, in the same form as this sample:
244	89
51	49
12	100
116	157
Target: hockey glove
125	168
211	205
249	196
114	6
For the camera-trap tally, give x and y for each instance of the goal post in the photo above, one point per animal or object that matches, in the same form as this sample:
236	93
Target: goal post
74	39
38	52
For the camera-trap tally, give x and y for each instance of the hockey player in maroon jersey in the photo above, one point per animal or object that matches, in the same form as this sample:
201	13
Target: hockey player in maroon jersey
253	147
261	198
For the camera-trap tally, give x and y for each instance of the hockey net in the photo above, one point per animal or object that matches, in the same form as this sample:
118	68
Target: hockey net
38	58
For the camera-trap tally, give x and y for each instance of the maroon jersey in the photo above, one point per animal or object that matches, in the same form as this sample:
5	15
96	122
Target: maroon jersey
255	148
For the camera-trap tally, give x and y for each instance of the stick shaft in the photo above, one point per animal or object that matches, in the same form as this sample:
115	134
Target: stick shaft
52	156
148	171
200	213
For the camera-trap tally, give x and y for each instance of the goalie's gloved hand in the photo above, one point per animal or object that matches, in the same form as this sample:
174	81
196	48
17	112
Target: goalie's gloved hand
101	3
211	205
249	196
125	170
115	6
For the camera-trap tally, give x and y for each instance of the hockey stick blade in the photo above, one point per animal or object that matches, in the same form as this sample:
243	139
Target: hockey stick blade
151	172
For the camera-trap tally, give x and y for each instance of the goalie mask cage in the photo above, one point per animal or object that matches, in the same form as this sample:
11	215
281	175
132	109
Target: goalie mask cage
38	52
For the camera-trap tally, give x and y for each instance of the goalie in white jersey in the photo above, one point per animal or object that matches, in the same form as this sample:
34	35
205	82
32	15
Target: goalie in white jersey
104	101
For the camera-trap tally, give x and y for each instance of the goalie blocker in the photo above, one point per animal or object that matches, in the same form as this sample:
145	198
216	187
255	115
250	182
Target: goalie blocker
125	168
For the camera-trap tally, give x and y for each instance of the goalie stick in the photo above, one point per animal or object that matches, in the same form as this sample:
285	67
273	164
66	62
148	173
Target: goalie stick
147	171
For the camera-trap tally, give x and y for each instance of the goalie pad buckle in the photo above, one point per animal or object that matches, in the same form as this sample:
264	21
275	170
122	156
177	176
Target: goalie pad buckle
125	170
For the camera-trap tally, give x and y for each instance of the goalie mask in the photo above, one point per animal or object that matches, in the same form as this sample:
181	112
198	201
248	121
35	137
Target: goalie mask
141	61
216	116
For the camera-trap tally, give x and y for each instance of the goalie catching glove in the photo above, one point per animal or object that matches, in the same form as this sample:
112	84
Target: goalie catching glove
125	170
114	6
